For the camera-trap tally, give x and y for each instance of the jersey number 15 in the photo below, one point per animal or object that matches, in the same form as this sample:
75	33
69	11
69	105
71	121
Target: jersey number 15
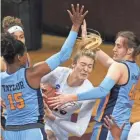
19	101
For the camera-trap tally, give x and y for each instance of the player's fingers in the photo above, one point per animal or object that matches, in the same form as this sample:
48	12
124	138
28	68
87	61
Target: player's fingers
55	105
69	12
58	93
106	126
73	9
52	98
44	96
106	121
122	126
82	9
77	8
85	14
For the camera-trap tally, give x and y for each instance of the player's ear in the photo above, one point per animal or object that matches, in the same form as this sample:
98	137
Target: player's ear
130	51
19	57
73	65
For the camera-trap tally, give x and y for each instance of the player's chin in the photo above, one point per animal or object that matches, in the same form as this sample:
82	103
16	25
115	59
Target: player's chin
83	77
115	58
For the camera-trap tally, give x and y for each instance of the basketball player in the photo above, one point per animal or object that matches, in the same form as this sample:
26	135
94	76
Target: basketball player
14	26
58	123
120	81
21	87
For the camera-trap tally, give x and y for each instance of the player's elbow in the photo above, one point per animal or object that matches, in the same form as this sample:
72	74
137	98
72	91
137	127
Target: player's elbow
80	132
65	56
110	62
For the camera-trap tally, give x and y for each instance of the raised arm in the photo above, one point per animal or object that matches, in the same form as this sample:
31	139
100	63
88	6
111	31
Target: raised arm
35	73
103	58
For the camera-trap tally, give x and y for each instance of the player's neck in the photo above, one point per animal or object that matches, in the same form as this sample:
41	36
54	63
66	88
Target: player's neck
11	68
129	58
72	80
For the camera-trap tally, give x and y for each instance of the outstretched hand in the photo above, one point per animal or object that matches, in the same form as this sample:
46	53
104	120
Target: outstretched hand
110	124
48	112
77	16
58	101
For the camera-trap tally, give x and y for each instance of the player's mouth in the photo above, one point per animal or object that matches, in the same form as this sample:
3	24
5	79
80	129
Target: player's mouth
115	55
84	74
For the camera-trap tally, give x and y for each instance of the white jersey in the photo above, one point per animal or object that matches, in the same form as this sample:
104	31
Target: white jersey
134	133
62	126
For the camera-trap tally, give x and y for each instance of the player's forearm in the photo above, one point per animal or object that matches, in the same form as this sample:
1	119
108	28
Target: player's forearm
70	127
105	59
64	53
98	92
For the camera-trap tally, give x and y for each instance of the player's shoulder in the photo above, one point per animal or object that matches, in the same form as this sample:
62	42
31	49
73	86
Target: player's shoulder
87	83
62	69
119	66
2	75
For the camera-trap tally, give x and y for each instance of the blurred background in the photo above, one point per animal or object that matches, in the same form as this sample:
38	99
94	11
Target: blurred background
50	16
47	24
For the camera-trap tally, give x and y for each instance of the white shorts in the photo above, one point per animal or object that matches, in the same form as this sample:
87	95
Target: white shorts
134	133
60	133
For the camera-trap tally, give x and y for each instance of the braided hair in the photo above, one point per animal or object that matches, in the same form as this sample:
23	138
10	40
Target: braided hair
10	47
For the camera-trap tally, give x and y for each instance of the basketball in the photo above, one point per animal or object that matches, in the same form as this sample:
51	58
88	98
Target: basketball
49	91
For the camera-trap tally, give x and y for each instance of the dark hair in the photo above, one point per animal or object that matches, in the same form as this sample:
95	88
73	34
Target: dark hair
131	40
10	21
10	47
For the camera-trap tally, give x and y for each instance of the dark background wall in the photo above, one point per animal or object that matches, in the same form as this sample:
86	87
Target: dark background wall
108	17
30	12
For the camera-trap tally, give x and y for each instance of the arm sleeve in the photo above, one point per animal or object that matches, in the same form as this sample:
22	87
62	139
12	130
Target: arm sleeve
64	53
81	125
98	92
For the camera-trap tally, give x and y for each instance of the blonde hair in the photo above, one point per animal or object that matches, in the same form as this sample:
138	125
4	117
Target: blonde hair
92	41
89	53
87	46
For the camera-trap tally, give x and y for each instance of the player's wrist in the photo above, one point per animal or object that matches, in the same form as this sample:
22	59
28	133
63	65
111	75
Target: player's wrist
74	97
117	138
75	28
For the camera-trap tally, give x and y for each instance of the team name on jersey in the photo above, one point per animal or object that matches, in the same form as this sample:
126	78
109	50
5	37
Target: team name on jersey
14	87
